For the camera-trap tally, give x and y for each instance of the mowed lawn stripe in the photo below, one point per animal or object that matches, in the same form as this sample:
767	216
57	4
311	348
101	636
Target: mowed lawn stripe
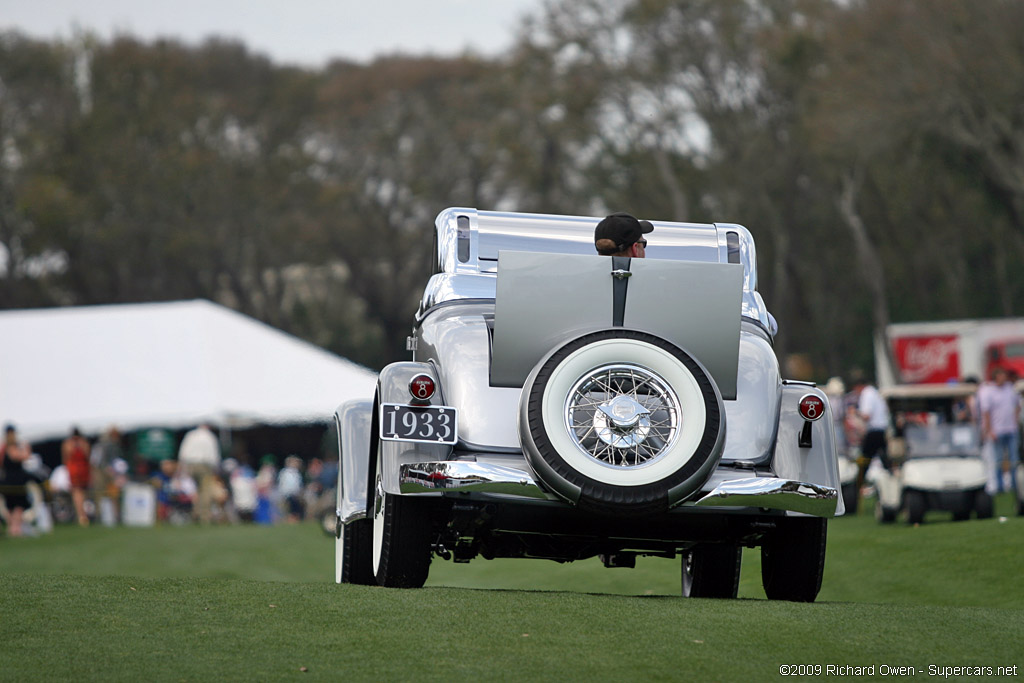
123	628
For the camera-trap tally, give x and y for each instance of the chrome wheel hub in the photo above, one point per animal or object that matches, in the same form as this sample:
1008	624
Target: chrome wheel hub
622	415
622	422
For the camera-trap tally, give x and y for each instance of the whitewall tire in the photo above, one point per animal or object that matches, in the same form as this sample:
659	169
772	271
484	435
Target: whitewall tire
621	421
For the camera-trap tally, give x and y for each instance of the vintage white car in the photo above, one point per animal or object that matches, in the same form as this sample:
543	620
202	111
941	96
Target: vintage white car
563	405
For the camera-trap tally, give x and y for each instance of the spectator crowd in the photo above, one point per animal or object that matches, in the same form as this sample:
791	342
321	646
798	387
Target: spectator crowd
101	481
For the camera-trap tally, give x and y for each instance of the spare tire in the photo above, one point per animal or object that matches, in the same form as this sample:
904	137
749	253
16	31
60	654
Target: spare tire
621	422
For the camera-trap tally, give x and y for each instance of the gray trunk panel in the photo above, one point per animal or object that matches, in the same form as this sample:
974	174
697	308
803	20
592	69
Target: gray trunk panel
544	299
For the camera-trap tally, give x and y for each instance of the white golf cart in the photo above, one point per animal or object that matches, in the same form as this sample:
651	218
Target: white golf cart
938	463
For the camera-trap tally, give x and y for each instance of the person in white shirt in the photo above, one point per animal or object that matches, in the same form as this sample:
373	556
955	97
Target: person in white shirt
200	455
1000	416
290	485
871	408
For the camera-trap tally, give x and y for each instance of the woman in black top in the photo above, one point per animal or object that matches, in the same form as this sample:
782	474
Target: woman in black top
13	478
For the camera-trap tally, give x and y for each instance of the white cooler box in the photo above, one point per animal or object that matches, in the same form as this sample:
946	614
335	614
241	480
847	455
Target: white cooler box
138	507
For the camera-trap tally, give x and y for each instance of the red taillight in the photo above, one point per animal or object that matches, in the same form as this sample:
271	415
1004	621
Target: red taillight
422	387
812	407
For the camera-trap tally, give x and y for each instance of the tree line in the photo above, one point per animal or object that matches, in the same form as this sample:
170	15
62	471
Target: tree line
875	150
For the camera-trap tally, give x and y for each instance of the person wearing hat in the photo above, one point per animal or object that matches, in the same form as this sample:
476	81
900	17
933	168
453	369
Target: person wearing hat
621	234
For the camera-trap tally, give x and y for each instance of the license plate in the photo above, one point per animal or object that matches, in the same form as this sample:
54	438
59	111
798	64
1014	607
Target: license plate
430	424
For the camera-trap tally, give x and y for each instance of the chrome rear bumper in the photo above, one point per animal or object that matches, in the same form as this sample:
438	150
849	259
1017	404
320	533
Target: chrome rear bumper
757	492
459	475
774	494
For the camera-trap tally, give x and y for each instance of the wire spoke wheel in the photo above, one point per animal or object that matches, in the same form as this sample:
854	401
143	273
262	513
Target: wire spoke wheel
623	415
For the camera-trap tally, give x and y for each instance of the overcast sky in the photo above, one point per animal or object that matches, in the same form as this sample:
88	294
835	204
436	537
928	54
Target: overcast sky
304	32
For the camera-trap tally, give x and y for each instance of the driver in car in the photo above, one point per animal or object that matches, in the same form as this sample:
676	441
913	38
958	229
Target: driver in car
621	234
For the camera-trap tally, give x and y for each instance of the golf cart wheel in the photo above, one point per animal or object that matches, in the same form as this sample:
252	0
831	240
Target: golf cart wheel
711	570
621	422
884	514
793	559
984	506
964	505
917	505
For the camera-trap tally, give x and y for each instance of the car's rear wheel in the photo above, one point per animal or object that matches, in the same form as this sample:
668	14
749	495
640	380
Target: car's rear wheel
793	559
621	422
401	537
711	570
917	505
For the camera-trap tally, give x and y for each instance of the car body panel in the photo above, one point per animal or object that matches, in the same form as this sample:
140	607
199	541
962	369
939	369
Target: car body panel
795	462
658	297
393	387
354	422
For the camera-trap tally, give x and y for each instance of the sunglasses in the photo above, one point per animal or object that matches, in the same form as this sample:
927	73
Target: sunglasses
642	242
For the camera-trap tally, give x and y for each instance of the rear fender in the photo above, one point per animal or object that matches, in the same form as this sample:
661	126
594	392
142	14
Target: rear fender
353	419
393	387
817	464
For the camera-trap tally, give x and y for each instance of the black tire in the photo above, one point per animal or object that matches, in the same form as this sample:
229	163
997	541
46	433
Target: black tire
793	559
984	506
917	505
963	507
677	428
884	514
850	498
356	544
402	538
711	570
1019	489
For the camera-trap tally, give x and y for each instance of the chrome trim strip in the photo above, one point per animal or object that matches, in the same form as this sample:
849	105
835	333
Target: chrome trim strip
353	517
774	494
431	477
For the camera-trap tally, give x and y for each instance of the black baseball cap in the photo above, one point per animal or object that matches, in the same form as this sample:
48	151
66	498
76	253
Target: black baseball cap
621	228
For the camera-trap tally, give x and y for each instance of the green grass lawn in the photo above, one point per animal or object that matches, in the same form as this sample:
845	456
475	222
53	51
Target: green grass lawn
259	603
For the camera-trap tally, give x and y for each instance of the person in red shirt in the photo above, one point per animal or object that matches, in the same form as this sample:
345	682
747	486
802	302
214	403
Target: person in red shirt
75	455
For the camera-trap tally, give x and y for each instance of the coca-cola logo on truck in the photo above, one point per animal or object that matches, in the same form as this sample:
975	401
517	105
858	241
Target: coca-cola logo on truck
928	360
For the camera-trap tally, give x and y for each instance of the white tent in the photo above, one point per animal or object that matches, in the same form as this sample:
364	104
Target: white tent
162	365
